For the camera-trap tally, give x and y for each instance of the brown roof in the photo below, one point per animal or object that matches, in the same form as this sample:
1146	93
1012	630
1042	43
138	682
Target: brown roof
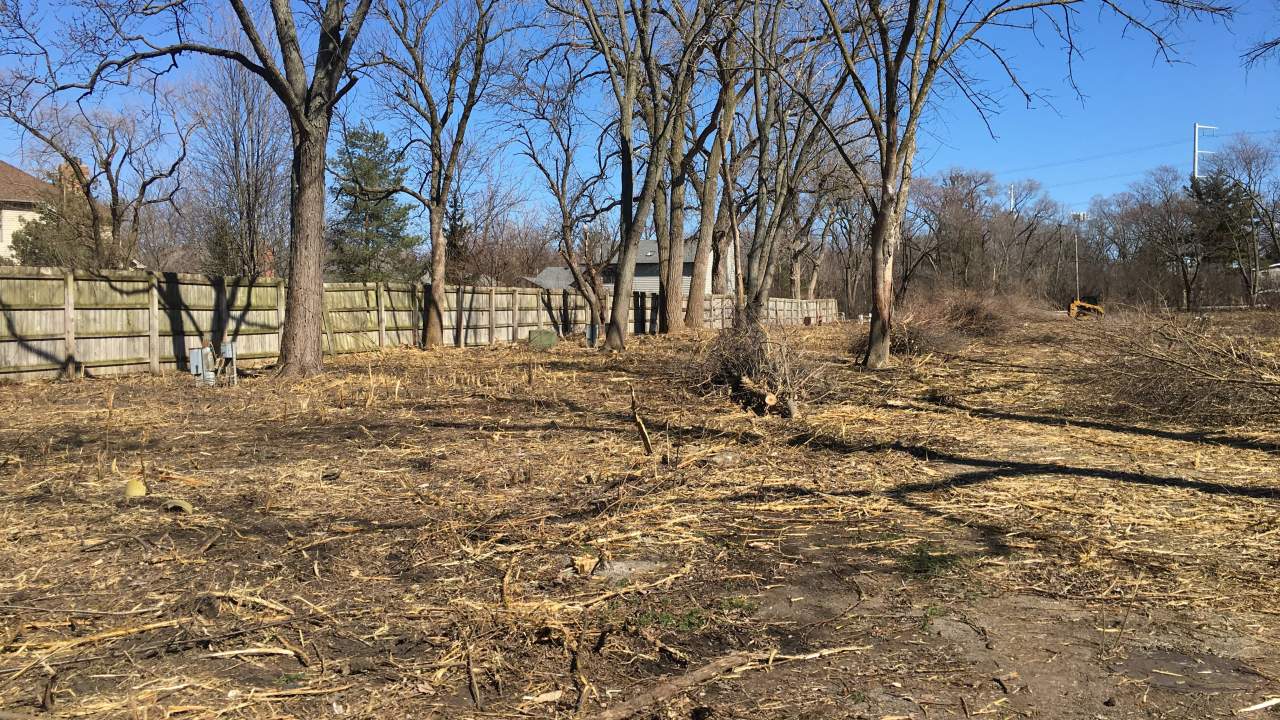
17	185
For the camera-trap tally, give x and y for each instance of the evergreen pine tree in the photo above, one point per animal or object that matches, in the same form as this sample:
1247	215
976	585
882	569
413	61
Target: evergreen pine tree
1223	218
369	239
457	232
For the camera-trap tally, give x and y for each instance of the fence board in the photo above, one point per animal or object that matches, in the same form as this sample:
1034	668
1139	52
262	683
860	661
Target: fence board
102	323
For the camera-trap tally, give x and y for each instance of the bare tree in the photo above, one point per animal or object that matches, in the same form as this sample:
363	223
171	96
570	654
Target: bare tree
1165	222
505	240
895	53
711	193
434	72
1255	166
850	230
625	40
692	32
795	113
115	164
123	42
549	126
239	179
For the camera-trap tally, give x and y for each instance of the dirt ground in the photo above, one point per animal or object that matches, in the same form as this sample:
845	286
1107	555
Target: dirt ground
480	533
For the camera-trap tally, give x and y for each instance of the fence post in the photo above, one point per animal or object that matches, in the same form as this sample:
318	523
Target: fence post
460	321
222	314
420	316
382	316
279	316
69	325
325	321
515	314
153	323
493	316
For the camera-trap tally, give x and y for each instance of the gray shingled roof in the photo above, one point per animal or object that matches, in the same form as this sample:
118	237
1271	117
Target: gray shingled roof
647	250
553	278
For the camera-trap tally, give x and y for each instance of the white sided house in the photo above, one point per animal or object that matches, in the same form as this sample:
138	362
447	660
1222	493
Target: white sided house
20	197
646	279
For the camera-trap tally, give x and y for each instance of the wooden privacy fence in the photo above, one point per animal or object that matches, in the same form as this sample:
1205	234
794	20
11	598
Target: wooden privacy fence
55	322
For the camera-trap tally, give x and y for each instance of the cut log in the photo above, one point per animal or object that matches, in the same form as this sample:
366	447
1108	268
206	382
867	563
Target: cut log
761	394
668	689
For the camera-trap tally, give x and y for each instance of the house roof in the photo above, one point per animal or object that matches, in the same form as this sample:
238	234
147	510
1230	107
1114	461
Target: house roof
553	278
647	250
17	185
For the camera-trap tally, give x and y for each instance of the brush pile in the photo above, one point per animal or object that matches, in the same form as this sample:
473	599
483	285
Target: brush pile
762	371
945	323
1182	367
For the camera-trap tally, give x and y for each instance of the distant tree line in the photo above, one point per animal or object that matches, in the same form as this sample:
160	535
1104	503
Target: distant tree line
1169	240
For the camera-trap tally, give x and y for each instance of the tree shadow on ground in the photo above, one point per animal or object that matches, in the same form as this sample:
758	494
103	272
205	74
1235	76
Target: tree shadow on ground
1202	436
995	469
992	535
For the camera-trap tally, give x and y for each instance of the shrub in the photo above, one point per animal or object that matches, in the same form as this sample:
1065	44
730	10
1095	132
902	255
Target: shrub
977	316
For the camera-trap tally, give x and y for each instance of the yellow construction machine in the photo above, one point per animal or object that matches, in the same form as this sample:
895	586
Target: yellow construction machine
1087	305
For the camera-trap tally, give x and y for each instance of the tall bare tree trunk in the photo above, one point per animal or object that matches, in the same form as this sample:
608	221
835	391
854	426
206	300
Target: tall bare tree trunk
812	292
662	238
301	351
620	313
673	282
722	247
885	231
631	227
694	312
708	222
436	301
739	281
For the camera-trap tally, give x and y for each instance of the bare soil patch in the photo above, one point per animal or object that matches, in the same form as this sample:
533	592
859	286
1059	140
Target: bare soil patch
480	533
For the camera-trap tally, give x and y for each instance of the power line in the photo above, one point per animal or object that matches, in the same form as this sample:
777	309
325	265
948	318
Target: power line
1088	158
1131	173
1119	153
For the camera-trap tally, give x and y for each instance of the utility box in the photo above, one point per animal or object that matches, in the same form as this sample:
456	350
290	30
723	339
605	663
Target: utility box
201	363
206	367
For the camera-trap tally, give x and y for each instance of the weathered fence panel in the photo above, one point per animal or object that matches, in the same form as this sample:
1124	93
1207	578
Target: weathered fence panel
53	322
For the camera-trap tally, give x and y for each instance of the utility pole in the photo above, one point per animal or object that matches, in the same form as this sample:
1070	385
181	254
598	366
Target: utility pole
1196	152
1077	218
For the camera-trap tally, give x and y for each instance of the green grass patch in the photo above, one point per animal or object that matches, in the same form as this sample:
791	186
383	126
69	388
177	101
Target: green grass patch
928	559
687	621
737	604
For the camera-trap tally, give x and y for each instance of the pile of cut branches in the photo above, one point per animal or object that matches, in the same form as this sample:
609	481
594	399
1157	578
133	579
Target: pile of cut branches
1182	367
760	370
946	322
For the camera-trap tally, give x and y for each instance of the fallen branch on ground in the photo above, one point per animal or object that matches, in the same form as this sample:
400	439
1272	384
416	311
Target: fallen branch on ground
736	663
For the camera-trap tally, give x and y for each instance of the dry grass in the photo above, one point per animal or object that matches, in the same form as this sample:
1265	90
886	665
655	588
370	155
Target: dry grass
480	534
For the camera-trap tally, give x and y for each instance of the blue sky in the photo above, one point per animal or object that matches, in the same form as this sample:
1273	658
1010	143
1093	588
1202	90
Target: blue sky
1132	101
1136	112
